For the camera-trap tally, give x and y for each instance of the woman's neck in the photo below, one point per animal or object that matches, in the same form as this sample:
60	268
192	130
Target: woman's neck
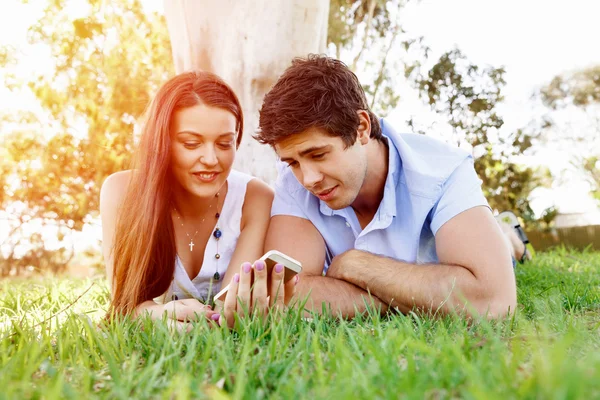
191	207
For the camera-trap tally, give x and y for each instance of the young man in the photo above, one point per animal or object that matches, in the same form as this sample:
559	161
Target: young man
394	219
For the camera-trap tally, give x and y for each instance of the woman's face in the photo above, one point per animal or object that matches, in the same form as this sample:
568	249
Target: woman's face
203	147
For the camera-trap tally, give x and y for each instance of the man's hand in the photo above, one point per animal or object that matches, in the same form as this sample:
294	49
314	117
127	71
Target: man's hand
346	266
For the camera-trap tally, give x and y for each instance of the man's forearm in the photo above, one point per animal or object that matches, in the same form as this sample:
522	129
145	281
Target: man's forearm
432	288
341	297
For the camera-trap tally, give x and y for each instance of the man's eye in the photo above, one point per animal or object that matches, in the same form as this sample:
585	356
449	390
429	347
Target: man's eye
226	145
293	164
318	156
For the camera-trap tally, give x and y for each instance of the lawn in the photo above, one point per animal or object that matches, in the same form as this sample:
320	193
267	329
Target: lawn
549	349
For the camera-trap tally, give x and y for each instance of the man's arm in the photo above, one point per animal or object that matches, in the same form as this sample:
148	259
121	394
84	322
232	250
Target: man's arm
298	238
475	268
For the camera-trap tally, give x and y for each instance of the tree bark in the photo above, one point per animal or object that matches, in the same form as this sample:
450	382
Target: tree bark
249	44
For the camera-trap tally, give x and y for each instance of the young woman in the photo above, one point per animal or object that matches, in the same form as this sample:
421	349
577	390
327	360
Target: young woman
183	221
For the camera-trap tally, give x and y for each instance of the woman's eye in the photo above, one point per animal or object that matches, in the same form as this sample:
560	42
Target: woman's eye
190	145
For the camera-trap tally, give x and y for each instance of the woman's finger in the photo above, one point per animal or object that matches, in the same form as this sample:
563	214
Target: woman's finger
259	288
179	326
244	288
230	303
277	287
190	310
290	289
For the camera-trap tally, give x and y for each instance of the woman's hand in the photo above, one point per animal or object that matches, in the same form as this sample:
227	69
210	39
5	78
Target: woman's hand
252	290
179	312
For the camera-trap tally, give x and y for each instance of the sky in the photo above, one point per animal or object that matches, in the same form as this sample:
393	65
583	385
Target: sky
534	39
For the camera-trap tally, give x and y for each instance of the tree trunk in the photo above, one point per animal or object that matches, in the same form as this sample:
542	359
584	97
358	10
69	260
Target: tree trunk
249	44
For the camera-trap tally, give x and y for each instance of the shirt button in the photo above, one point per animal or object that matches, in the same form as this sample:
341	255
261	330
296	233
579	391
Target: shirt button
348	224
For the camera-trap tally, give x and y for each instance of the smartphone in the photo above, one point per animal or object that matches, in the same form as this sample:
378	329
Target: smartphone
272	257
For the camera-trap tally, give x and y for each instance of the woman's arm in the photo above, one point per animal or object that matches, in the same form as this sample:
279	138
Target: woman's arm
253	226
112	194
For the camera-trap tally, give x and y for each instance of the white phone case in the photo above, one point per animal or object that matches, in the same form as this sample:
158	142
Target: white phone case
272	257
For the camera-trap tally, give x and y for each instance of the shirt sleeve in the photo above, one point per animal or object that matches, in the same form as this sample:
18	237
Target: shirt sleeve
460	192
284	202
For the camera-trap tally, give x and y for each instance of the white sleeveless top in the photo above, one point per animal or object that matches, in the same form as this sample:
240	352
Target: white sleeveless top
204	286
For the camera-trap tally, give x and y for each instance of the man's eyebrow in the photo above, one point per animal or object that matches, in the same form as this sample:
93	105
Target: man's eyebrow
313	149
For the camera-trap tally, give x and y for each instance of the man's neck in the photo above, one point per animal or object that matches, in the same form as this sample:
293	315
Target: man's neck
367	202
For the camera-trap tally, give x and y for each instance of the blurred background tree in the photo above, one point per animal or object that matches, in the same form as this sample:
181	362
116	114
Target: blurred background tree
578	90
467	96
107	63
106	66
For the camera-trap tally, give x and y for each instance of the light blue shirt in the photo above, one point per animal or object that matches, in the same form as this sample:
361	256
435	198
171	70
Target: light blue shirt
428	183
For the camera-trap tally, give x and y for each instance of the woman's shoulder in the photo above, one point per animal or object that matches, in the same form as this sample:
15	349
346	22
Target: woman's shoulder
117	181
259	189
257	201
252	185
114	188
256	192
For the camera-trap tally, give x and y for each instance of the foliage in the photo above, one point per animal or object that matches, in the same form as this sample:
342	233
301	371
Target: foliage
367	35
591	165
579	90
107	64
550	349
467	95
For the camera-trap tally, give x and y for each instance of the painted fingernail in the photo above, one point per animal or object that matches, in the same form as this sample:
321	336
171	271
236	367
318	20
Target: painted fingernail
236	278
297	279
259	265
215	317
278	268
246	267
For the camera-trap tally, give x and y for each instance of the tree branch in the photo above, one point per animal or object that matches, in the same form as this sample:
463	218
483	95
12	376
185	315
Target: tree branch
370	13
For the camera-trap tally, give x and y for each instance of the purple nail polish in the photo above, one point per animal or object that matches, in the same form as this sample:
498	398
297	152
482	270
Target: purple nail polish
278	268
246	267
215	317
236	278
259	265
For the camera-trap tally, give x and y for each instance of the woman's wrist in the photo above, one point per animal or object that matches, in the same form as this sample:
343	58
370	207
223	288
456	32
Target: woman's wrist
149	307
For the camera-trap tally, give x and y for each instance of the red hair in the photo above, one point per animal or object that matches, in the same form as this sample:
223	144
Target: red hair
144	251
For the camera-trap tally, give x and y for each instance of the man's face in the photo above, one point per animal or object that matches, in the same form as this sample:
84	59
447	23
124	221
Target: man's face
324	167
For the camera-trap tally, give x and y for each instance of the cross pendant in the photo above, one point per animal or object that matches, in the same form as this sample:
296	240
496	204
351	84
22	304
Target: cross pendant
191	245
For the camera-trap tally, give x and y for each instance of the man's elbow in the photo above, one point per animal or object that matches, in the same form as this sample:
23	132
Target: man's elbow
497	306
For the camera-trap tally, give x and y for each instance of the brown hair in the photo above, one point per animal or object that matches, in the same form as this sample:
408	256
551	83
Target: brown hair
144	250
317	91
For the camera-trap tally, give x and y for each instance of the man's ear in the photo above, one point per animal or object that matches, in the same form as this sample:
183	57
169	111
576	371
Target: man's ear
363	133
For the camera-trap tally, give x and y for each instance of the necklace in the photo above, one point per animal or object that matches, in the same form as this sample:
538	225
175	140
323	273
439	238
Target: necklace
217	233
191	243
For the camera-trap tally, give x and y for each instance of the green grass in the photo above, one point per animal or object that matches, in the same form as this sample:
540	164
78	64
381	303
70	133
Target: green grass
549	349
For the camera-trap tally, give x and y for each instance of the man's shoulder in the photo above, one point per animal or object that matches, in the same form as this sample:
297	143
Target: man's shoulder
430	146
287	181
426	162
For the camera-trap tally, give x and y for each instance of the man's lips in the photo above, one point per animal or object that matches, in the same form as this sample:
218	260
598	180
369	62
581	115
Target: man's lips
326	194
